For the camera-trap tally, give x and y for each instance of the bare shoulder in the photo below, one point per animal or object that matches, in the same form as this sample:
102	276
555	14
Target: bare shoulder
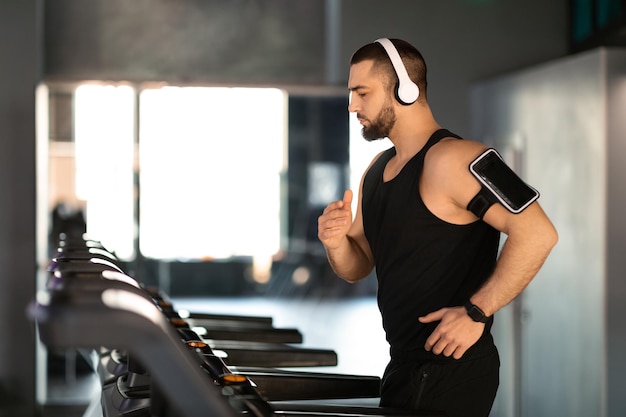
453	154
447	185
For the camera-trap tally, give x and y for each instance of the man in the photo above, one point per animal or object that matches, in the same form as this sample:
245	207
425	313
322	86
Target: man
434	253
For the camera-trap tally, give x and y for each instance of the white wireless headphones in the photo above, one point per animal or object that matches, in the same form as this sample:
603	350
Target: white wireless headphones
407	91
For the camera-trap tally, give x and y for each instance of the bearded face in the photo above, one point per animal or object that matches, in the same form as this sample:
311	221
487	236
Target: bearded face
381	126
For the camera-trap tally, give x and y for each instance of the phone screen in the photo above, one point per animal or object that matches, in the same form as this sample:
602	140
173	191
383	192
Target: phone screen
496	175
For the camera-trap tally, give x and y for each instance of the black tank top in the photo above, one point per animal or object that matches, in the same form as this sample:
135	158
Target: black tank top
422	262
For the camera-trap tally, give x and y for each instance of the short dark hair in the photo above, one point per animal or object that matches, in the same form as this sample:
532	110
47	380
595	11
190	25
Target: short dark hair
411	57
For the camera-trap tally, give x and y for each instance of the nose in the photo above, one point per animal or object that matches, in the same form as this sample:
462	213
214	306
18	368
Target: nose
352	104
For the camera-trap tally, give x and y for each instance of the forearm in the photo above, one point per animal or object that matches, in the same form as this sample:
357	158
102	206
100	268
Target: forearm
349	261
520	260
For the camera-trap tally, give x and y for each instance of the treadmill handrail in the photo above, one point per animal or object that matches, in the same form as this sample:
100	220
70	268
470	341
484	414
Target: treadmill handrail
115	317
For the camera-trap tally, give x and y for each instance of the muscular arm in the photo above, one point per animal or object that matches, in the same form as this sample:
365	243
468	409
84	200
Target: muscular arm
530	238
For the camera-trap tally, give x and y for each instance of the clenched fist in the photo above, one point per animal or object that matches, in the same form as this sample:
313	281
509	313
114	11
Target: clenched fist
335	221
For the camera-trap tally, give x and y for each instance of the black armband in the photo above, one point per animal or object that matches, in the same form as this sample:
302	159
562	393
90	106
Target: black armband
499	184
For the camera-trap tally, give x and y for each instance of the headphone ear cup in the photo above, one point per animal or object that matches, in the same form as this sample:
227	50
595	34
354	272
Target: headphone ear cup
407	94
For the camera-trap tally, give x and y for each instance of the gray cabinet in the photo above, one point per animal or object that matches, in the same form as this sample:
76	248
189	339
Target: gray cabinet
563	125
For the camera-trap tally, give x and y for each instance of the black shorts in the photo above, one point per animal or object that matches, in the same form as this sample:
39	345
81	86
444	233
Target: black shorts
460	388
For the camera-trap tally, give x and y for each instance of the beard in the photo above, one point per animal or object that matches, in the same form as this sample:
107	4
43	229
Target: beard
381	126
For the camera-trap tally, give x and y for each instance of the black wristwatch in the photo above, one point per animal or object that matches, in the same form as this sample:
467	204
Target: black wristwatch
476	313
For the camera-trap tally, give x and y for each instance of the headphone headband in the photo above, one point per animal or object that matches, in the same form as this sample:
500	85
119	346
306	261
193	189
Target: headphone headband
407	91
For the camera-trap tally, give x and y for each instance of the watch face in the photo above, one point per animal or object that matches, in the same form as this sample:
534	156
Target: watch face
475	313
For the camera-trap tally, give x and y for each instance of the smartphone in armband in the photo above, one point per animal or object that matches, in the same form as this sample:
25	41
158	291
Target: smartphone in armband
500	183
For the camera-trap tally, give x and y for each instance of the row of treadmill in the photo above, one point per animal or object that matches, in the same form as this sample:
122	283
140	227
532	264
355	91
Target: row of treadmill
154	361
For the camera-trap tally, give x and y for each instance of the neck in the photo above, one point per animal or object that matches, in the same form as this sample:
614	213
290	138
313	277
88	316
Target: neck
411	131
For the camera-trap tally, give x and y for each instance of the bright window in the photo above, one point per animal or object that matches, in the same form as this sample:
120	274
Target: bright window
211	161
104	136
210	166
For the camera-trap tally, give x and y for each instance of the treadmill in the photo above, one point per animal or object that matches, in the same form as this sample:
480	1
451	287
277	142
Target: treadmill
76	273
182	382
276	384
